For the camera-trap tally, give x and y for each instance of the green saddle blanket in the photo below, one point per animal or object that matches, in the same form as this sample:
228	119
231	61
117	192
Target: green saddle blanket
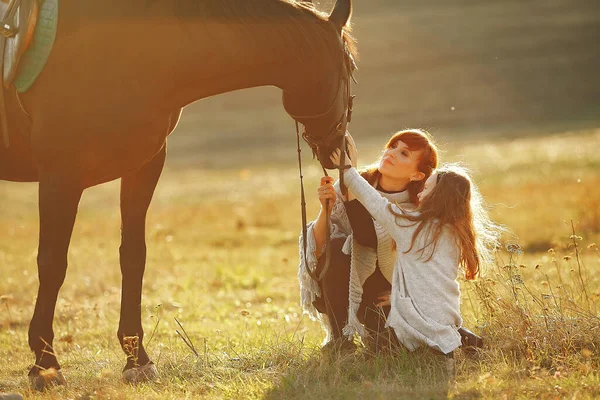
35	57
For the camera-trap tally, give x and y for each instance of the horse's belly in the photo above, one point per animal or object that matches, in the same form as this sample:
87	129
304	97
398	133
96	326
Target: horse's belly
95	153
17	165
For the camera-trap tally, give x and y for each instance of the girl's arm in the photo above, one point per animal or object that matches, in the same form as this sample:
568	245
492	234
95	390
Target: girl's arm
376	205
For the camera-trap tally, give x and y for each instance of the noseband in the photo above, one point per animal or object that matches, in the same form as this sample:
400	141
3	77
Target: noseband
339	129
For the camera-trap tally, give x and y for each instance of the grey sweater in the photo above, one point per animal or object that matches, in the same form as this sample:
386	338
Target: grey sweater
425	301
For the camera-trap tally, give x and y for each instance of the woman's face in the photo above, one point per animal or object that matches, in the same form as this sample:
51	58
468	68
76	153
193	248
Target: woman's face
400	163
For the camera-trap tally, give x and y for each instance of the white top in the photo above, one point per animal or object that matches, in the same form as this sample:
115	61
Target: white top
425	300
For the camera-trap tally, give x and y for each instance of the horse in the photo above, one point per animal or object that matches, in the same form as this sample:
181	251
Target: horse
112	91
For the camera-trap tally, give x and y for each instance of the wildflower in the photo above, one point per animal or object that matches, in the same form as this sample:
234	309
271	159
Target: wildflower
557	375
537	266
567	258
245	313
592	246
514	248
522	266
587	353
575	237
551	251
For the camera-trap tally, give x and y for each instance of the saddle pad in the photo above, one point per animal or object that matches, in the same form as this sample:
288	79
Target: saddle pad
35	57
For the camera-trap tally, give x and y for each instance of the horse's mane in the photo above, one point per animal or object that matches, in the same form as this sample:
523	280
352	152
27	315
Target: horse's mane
289	13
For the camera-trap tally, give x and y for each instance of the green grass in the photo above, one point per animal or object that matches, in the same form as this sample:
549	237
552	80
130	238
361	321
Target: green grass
222	259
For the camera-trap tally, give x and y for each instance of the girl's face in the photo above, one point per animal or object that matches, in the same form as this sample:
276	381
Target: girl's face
429	185
400	163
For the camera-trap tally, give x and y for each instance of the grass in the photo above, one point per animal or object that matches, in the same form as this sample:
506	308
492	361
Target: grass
222	259
509	89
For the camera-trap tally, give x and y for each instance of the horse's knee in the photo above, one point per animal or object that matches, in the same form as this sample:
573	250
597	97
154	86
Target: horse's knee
51	270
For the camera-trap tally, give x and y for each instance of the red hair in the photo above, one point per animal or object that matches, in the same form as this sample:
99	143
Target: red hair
415	140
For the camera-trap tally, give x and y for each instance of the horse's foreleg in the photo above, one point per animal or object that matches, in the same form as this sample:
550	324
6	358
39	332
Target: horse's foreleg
58	202
136	192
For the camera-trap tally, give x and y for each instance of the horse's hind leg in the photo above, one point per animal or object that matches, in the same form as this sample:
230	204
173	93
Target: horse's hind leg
58	202
136	192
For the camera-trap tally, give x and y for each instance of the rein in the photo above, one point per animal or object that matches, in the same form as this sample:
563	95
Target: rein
341	126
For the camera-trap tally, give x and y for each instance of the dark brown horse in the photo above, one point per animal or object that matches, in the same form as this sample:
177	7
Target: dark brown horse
112	91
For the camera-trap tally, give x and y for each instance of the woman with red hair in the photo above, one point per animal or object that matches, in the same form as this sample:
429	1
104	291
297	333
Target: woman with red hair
362	252
449	230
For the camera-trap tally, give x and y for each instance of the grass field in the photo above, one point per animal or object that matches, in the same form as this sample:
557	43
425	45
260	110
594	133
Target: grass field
510	89
223	260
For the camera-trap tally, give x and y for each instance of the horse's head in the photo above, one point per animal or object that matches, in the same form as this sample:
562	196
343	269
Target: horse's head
324	107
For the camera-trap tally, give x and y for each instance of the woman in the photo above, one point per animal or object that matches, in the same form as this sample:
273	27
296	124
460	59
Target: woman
360	245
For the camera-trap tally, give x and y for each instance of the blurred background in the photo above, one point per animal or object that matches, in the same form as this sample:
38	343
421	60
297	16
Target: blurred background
466	70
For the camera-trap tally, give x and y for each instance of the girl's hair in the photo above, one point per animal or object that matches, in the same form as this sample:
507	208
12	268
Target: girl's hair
415	139
456	203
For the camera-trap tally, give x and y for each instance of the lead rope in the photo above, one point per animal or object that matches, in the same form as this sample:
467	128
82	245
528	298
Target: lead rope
341	168
312	274
344	189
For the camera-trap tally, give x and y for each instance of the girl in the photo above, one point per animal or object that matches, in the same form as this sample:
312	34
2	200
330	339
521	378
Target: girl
449	229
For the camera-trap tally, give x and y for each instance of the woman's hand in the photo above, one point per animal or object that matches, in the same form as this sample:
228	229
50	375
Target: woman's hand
384	301
327	192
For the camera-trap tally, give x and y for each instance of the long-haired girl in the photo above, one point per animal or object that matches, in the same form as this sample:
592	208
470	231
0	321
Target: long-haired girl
362	254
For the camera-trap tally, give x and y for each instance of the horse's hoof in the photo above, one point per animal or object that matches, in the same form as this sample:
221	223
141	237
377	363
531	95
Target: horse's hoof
10	396
144	373
46	378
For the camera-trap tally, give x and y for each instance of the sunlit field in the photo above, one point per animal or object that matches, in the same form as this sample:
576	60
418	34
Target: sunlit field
509	89
222	260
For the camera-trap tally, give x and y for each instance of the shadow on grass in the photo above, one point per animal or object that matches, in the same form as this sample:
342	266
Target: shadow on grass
403	375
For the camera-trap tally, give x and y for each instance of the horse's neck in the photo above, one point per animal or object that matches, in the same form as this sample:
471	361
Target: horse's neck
215	56
164	60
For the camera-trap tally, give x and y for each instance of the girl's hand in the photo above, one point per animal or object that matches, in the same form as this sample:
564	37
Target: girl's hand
335	158
352	152
327	192
383	301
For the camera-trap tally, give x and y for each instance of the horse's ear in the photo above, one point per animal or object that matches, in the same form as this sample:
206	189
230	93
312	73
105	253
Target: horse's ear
340	15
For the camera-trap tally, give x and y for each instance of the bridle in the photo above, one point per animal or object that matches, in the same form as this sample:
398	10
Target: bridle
339	129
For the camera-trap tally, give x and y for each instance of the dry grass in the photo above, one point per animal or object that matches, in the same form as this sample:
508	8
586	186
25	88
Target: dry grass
223	257
483	77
